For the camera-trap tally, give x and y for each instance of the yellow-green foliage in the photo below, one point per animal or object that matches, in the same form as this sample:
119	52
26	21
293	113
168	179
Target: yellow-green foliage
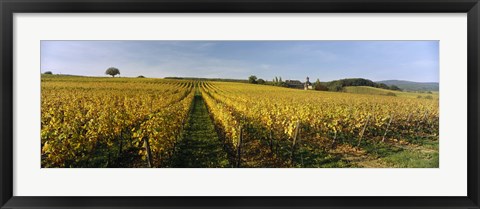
84	117
268	113
93	122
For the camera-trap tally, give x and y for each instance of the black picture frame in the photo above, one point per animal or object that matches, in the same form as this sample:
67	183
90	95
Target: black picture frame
9	7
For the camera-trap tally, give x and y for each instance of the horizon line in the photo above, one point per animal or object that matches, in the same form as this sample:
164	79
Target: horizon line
245	79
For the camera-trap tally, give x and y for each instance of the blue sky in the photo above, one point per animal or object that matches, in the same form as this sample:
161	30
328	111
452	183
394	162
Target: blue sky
326	60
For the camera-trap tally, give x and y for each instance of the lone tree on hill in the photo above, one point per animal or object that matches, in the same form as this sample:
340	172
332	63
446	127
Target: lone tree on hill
112	71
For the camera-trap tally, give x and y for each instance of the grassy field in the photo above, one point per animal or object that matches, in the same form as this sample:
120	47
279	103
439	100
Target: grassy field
200	146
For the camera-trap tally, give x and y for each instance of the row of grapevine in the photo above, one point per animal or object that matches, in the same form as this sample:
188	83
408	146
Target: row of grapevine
88	123
162	131
278	117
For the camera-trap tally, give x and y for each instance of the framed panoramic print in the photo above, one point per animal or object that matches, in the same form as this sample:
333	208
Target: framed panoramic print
239	104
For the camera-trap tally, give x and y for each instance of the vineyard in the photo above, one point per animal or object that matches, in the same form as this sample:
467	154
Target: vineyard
141	122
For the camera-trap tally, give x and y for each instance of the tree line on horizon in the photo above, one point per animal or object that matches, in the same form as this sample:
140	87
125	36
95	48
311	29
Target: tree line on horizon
336	85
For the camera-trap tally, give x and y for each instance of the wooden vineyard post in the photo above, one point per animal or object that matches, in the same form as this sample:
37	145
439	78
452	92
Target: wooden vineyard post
408	118
334	142
432	124
294	143
407	125
149	153
120	148
363	131
108	160
301	158
119	139
224	133
239	148
271	141
386	129
175	143
420	122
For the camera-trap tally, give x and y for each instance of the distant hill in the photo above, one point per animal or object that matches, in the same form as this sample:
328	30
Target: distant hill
385	92
412	86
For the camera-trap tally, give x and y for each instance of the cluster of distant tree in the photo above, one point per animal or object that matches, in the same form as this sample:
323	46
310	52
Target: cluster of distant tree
338	85
277	81
319	86
253	79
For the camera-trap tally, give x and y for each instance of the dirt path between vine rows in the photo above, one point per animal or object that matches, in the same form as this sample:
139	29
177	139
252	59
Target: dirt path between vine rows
200	146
